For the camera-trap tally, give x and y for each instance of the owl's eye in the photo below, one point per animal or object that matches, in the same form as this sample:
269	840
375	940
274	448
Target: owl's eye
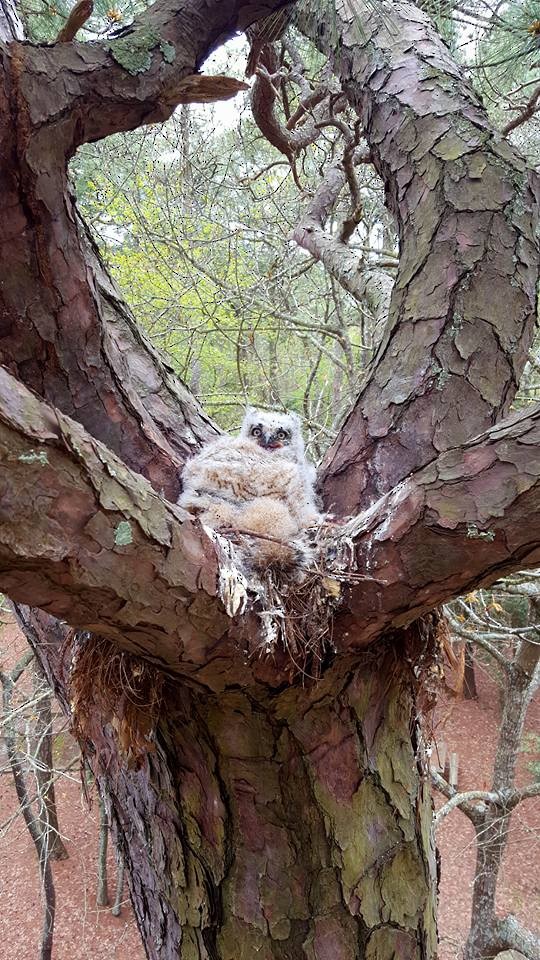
256	432
282	434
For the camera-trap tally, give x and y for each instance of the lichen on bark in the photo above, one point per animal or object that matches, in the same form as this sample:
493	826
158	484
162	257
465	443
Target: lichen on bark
134	51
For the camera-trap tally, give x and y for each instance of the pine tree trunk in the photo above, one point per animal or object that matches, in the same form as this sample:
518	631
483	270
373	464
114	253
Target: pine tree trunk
283	824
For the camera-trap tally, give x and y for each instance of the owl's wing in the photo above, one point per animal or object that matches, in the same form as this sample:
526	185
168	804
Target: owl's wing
233	469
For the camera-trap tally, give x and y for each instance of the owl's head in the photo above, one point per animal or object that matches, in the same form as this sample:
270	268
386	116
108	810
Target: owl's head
279	432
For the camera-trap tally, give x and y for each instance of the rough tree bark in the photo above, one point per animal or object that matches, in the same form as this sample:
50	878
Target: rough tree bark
462	309
275	817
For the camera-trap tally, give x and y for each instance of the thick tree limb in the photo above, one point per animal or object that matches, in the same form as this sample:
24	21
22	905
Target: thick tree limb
464	300
90	542
143	66
464	520
87	540
439	366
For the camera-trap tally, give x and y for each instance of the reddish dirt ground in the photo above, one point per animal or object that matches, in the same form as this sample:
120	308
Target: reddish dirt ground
83	931
470	728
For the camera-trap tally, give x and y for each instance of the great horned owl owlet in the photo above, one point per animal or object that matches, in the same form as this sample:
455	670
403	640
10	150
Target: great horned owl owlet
259	482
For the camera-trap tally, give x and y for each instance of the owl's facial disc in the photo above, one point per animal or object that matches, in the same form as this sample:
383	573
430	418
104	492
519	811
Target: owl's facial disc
271	439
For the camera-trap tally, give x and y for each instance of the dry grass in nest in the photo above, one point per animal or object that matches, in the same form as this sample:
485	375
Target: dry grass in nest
434	664
110	686
295	602
297	605
298	616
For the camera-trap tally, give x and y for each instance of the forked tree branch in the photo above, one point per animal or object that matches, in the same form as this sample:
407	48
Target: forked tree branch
462	800
288	139
504	801
86	539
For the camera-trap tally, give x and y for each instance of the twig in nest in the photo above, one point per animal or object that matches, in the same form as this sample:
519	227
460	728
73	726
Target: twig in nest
296	616
251	533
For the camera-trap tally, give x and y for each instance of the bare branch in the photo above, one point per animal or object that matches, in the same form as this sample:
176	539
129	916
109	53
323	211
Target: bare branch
522	793
506	801
456	799
478	638
21	666
78	16
509	934
366	283
39	838
463	801
289	140
531	107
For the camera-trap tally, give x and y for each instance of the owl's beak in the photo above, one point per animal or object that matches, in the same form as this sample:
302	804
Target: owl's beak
269	442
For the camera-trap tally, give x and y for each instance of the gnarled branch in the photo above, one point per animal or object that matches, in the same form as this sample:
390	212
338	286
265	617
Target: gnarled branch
86	539
464	301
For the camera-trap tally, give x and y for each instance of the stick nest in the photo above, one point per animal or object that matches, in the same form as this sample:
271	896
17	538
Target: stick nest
295	605
113	695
